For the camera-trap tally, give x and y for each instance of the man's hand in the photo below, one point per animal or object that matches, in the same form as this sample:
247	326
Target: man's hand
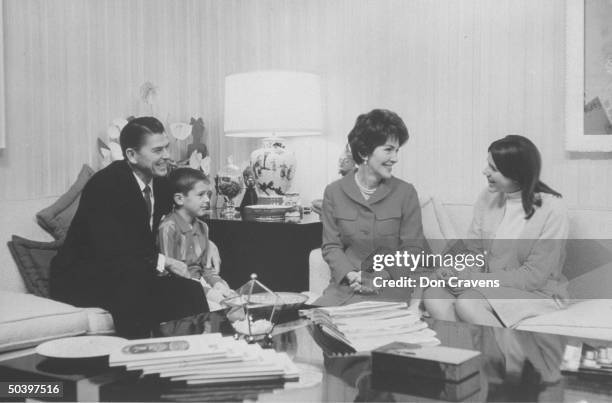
213	260
177	267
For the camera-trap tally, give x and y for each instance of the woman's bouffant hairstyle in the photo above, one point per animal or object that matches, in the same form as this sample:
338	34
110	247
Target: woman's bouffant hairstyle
374	129
135	131
517	158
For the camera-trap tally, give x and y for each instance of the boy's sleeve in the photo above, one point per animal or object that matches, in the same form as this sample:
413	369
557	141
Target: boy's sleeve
168	244
208	273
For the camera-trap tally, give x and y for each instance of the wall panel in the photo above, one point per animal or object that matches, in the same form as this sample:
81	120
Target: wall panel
461	73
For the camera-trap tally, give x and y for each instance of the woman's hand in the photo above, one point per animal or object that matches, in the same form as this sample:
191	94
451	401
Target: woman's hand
213	259
354	280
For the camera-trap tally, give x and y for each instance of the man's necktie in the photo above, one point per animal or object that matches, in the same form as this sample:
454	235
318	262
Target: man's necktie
147	197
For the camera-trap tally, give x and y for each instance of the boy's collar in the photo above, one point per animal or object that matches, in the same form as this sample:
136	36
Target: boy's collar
183	225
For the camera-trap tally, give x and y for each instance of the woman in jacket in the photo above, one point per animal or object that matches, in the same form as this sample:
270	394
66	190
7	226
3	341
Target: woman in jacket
370	211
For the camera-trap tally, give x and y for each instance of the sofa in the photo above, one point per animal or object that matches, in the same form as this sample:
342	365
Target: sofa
31	232
26	320
588	267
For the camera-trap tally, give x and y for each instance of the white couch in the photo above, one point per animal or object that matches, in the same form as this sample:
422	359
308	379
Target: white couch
590	311
25	319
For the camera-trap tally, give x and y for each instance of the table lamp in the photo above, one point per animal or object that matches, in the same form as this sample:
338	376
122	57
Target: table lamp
273	105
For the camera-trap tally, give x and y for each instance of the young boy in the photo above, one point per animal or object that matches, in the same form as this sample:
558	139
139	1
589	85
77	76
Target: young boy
184	237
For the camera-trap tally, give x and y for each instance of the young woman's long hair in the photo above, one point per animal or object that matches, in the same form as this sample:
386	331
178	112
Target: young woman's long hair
518	158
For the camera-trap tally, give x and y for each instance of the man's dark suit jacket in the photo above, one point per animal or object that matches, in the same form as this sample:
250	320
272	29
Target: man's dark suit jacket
109	256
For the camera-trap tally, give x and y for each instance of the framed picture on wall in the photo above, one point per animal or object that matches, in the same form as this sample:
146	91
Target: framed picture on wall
588	100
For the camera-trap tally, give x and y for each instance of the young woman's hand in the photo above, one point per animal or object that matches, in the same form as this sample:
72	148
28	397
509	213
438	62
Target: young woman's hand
462	275
444	273
415	307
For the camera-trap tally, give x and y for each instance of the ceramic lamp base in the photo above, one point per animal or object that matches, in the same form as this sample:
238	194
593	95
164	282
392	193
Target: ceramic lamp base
274	166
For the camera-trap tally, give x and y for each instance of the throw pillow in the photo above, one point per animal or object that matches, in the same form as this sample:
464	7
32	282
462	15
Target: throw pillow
437	227
56	218
33	260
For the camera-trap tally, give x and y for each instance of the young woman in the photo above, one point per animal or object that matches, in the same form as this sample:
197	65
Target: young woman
369	210
520	224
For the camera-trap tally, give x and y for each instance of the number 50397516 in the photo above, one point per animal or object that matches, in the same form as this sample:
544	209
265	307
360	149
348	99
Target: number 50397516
31	389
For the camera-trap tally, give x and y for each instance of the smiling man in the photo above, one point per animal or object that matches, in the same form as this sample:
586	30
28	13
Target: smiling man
110	258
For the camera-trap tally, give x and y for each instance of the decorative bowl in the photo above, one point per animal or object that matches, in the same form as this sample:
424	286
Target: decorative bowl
265	212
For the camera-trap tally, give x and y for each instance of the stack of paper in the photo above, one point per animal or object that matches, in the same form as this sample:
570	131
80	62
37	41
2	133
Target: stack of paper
368	325
204	359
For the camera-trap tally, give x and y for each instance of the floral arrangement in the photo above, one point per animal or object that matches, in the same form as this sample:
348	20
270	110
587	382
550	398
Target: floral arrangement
111	150
197	152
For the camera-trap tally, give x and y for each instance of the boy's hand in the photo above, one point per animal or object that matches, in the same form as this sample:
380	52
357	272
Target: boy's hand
177	267
224	290
195	272
213	259
215	295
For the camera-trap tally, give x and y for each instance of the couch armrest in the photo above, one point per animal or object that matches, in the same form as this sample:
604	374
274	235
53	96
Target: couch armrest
318	272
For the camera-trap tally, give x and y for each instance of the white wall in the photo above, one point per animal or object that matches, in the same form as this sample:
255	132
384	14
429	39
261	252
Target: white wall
460	72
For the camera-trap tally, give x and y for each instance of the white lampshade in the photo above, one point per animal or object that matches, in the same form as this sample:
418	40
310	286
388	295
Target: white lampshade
273	103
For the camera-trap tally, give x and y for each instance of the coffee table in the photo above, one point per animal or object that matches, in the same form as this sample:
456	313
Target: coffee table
516	366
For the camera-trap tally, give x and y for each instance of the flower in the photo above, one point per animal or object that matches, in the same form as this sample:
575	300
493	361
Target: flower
205	165
115	128
115	151
180	130
195	160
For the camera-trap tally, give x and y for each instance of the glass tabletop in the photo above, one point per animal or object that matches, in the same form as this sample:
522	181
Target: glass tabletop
515	366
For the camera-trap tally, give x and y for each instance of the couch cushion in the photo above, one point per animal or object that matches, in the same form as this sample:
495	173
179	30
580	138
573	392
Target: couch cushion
33	260
590	319
437	226
56	218
18	219
588	266
27	320
586	255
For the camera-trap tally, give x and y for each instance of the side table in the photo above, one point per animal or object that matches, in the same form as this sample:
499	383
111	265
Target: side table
278	252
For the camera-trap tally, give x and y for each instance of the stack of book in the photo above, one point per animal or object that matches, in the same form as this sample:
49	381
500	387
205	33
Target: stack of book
207	359
365	326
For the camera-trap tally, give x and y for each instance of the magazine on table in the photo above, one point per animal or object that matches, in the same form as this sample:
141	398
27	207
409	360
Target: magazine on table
205	359
365	326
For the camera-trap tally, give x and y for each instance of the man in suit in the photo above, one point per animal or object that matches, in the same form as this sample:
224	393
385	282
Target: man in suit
110	258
